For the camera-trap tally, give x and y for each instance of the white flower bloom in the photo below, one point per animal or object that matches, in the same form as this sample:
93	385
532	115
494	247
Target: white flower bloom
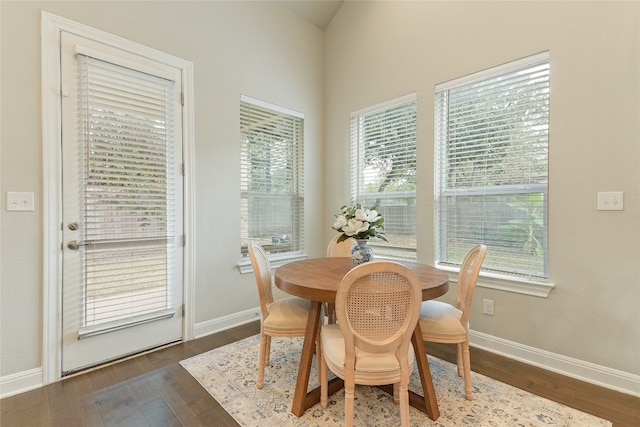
365	227
359	222
341	221
367	215
355	226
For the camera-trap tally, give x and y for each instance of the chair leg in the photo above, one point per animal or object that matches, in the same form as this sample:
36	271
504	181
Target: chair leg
262	358
319	351
404	404
267	354
318	356
331	314
467	370
459	360
396	393
324	382
349	392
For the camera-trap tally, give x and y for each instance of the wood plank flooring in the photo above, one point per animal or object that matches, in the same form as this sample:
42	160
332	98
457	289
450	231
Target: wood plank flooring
152	389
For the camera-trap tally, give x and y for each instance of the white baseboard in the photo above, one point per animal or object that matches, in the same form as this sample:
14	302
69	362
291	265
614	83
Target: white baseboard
20	382
606	377
623	382
28	380
219	324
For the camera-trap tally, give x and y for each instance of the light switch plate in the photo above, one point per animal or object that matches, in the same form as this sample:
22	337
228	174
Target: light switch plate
611	201
17	201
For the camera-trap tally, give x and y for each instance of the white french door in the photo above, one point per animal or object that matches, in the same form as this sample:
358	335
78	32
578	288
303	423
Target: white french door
122	203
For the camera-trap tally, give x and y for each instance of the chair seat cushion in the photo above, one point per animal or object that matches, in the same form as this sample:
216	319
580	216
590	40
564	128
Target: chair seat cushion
439	320
288	313
333	347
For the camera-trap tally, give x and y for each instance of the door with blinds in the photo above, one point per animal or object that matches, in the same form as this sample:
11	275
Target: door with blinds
122	185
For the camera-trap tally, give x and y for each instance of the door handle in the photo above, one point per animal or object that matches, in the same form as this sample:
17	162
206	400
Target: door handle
75	245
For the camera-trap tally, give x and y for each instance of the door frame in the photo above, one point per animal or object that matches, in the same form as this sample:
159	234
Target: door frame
51	26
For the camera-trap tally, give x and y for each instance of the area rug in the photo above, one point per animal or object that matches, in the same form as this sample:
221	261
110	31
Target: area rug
229	374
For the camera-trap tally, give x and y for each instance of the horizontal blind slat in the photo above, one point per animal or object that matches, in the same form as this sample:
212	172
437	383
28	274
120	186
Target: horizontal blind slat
271	174
383	163
492	133
127	131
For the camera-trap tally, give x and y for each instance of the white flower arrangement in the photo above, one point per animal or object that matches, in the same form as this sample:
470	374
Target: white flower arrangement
359	222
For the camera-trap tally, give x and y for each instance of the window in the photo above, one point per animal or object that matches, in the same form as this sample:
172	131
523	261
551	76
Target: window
491	165
383	165
127	211
271	181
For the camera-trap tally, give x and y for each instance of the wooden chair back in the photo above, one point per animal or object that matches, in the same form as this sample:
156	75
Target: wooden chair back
262	271
378	305
467	279
342	249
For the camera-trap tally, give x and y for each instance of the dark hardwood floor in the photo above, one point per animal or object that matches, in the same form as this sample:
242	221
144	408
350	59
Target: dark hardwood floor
152	389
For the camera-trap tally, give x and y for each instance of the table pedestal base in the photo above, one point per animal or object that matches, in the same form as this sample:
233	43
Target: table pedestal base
303	400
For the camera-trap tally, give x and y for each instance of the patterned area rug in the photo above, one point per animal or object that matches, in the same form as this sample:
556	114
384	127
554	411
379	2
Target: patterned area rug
229	375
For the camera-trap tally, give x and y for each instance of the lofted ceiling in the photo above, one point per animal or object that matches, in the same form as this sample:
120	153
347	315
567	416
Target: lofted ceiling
317	12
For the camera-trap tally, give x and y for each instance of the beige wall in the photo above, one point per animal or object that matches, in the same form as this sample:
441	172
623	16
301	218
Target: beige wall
252	48
376	51
373	51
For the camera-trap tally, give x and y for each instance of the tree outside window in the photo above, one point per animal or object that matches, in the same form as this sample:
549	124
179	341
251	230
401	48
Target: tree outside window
271	177
491	137
383	157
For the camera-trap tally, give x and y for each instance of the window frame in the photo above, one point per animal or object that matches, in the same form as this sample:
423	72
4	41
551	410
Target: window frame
357	177
297	182
535	285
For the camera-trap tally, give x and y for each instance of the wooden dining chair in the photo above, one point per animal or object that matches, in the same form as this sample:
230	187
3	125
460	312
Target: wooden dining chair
445	323
377	305
342	249
335	249
286	317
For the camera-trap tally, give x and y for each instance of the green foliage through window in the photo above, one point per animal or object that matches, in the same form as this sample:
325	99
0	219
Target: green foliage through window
491	163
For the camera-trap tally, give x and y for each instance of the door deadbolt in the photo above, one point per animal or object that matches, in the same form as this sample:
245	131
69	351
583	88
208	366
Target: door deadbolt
73	226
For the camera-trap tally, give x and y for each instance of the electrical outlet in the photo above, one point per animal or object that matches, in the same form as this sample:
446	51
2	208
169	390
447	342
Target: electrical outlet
487	306
611	201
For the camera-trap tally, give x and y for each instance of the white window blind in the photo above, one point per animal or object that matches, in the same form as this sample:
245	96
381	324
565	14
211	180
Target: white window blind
491	139
383	171
127	212
272	177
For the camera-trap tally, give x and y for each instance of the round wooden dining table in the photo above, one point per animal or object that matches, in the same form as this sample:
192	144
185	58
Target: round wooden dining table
317	279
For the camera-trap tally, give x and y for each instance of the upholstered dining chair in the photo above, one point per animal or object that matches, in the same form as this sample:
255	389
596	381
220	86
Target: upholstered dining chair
377	305
445	323
335	249
342	249
286	317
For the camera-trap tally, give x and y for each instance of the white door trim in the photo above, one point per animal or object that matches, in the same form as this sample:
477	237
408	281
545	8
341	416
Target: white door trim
51	26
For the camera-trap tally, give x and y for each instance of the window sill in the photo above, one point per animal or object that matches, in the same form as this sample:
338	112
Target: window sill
244	264
506	283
